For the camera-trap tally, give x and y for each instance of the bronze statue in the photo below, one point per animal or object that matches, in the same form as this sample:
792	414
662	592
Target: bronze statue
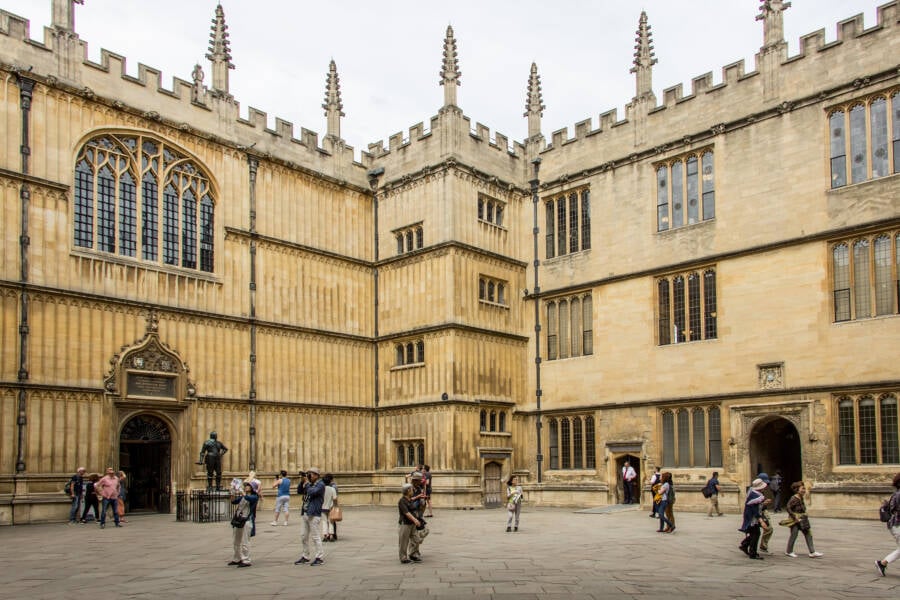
211	455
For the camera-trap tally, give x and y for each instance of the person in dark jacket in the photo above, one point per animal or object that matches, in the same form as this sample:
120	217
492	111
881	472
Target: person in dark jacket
893	526
751	526
311	531
240	536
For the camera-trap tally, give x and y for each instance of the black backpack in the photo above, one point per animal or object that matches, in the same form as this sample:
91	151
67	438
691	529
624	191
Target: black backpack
68	489
707	490
884	513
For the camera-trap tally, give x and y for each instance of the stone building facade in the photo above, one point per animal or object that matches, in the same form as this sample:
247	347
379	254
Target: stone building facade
707	283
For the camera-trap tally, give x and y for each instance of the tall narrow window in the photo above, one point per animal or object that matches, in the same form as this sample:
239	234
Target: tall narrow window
480	208
840	257
561	225
858	144
862	288
573	222
421	451
677	195
884	285
84	205
207	256
867	431
678	305
709	305
575	318
410	356
577	444
493	421
401	455
838	149
895	136
566	443
483	420
127	214
170	225
684	438
420	351
890	451
664	318
399	355
709	188
715	437
552	327
693	190
668	434
589	450
106	211
551	228
490	291
420	237
409	241
189	231
694	323
411	454
399	243
563	329
587	319
846	432
879	132
662	199
585	219
698	418
501	426
553	446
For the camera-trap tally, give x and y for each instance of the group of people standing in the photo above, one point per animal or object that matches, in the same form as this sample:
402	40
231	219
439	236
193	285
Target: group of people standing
318	514
87	491
663	488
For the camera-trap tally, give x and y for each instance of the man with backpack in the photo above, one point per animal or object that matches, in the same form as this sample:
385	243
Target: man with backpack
890	516
74	488
711	491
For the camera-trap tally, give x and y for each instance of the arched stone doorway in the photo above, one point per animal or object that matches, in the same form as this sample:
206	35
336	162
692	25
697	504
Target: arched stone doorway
145	454
775	445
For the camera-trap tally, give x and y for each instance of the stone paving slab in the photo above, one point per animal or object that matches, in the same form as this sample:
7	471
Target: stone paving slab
557	554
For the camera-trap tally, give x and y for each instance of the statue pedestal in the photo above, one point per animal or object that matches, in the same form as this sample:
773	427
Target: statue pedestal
210	507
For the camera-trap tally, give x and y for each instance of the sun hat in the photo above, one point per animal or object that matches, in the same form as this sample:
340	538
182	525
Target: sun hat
758	484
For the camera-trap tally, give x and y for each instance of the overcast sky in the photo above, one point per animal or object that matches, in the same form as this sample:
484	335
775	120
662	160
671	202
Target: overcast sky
389	53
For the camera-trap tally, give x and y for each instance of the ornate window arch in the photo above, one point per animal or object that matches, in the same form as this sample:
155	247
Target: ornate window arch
139	196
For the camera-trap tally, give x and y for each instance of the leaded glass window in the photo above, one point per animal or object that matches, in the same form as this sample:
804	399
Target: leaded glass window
110	207
865	139
687	307
867	429
685	191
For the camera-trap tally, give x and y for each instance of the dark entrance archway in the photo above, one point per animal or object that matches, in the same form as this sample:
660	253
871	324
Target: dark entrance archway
775	445
635	462
145	454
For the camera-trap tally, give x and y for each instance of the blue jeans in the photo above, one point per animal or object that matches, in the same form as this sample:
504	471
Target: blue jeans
661	511
76	504
114	503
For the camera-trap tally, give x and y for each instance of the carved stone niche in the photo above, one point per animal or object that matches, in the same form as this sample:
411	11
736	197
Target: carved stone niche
149	370
771	376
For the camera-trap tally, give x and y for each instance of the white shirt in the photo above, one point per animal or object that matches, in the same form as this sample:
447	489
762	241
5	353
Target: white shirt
628	473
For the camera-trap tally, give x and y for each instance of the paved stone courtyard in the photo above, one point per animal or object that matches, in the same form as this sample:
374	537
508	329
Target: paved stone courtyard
558	553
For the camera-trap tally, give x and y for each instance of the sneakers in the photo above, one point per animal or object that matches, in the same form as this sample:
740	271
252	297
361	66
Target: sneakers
273	523
415	558
791	554
815	554
301	560
405	561
881	567
243	564
318	561
285	523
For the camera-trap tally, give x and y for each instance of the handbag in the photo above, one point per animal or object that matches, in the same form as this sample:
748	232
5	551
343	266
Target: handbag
335	514
239	520
788	522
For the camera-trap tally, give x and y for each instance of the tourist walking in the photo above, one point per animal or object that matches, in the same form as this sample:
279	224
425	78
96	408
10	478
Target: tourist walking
311	531
76	491
713	489
123	493
765	519
665	488
419	499
407	524
750	525
654	482
513	503
893	525
240	533
90	497
799	521
328	500
426	475
255	484
282	497
108	489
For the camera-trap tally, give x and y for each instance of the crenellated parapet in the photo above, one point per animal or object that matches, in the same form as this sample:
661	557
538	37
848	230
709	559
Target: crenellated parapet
818	72
211	113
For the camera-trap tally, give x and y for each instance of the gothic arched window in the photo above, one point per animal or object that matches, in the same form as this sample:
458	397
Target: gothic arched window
113	214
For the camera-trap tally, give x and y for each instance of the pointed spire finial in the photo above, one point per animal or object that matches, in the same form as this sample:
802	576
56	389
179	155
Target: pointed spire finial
333	105
219	52
450	72
771	13
644	57
64	14
534	102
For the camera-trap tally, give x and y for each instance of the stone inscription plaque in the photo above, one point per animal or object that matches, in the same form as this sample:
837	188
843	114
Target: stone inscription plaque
157	386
